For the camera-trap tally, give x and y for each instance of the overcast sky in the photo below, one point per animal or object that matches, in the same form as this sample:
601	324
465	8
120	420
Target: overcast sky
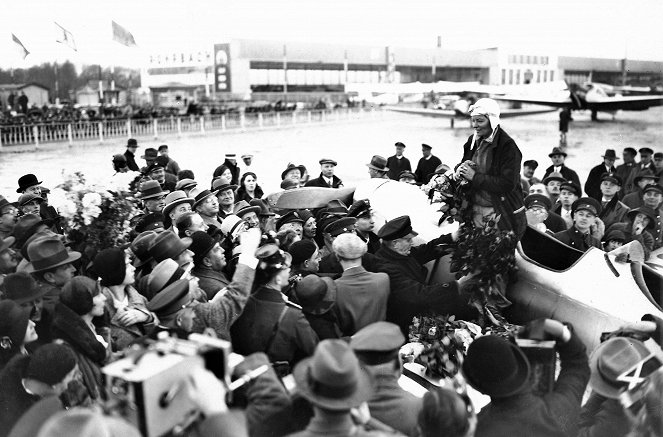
605	28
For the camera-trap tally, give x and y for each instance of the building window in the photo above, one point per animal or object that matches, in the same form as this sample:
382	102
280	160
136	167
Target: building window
552	75
538	76
503	76
517	77
545	75
510	76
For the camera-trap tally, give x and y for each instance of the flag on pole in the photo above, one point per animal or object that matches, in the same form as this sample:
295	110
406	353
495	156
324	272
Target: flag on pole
123	36
20	47
65	37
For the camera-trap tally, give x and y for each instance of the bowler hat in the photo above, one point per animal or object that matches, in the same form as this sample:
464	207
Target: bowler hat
645	174
222	184
538	200
496	367
150	153
588	204
151	189
27	181
611	359
612	177
175	198
26	198
332	378
554	176
291	167
13	324
301	251
168	245
649	212
140	247
378	163
377	343
289	217
47	253
199	196
557	151
242	208
340	226
316	295
327	161
21	287
264	210
185	184
397	228
131	142
610	154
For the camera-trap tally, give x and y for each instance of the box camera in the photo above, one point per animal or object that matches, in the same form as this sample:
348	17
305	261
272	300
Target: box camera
149	387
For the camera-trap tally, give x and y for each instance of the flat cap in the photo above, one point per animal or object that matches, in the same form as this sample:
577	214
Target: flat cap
538	200
327	161
397	228
171	299
646	150
377	343
340	226
612	177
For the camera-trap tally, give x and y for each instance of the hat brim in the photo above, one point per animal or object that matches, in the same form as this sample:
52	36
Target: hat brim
73	256
196	203
503	387
244	211
152	196
361	394
554	178
287	170
21	189
36	293
610	157
639	178
170	206
377	168
328	301
564	154
652	220
596	382
225	187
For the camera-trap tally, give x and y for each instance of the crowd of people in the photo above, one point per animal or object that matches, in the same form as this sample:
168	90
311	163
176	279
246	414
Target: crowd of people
325	296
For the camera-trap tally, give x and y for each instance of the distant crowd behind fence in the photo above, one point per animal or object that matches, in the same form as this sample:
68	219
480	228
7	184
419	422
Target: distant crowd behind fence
71	132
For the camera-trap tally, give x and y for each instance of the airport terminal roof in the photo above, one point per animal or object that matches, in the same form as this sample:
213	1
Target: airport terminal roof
615	65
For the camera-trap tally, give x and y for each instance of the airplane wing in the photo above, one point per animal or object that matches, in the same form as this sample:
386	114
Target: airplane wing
628	103
447	113
561	102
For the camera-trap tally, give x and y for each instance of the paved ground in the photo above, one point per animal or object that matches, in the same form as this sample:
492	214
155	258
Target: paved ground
351	143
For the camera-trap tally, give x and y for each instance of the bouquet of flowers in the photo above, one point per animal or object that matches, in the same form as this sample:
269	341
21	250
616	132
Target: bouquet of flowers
450	191
95	218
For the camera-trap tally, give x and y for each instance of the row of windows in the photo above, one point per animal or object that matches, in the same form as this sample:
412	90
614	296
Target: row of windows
528	59
513	77
316	77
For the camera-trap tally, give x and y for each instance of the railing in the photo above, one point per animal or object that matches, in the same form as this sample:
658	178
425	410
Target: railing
71	132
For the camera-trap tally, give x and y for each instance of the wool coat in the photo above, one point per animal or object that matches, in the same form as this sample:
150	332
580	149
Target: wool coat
361	299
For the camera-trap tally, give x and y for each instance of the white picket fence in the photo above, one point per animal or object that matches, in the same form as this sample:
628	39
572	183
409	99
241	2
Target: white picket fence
71	132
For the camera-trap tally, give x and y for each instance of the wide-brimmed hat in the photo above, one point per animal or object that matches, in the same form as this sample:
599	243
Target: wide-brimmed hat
221	184
168	245
26	198
175	198
649	212
610	154
150	153
230	224
47	253
317	295
140	247
378	163
199	196
332	378
151	189
496	367
185	184
25	226
292	166
554	176
645	174
557	151
610	360
163	274
27	181
242	208
264	210
21	287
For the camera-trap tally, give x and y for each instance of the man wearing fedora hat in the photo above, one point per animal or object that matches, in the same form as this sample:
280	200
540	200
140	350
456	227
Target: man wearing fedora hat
558	156
23	289
317	296
498	368
51	265
377	168
206	204
209	262
327	177
361	296
177	203
398	163
265	216
584	212
593	183
293	172
130	154
427	165
225	194
152	196
333	381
